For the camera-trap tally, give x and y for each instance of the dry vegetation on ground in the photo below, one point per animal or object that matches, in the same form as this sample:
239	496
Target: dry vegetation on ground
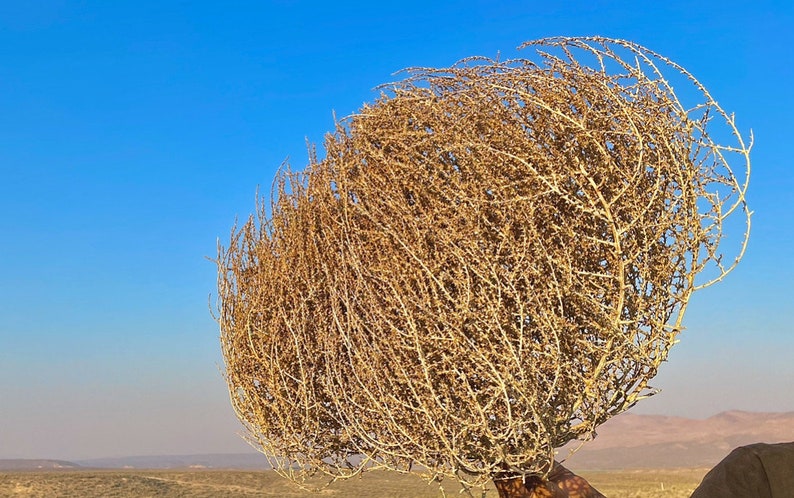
239	484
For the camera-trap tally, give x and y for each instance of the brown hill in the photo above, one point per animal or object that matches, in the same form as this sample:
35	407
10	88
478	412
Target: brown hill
649	441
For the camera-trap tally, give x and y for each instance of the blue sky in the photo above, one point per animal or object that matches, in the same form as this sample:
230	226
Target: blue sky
133	133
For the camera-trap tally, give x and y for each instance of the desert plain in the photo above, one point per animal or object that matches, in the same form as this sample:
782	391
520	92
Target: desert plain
634	456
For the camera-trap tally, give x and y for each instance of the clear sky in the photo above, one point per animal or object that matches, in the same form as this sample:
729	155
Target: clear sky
133	133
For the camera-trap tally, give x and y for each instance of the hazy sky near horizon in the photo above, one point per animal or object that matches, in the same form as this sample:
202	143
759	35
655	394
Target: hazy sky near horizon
133	133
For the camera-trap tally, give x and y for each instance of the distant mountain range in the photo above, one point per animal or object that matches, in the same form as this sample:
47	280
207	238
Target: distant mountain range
28	464
253	461
647	441
627	441
241	461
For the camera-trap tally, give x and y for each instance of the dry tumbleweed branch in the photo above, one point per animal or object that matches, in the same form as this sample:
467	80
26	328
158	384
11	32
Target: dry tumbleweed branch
491	260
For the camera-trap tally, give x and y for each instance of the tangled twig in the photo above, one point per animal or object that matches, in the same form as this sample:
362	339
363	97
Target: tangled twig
491	260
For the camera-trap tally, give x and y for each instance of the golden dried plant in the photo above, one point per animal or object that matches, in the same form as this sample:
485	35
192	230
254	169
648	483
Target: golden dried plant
490	261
